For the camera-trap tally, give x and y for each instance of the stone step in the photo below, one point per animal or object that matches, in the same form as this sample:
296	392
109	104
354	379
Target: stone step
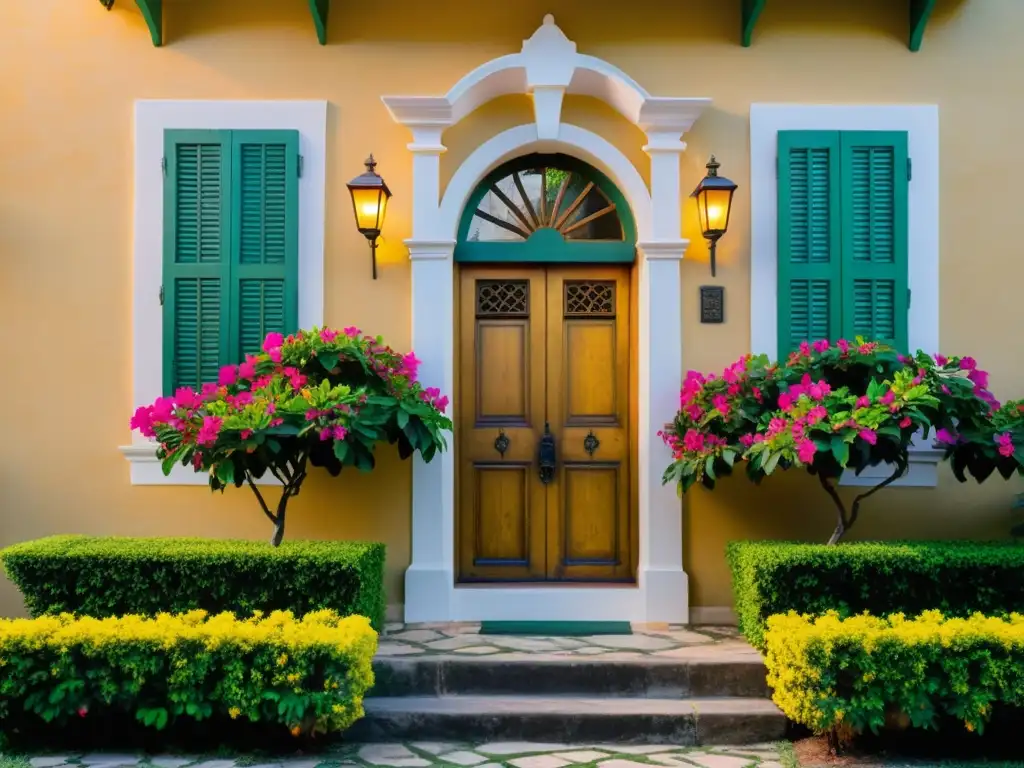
647	678
570	720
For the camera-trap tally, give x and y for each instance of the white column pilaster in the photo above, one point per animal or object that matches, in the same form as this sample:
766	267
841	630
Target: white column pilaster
661	531
430	576
426	148
661	537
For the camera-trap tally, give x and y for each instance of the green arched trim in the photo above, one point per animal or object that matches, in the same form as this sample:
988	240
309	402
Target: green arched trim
547	245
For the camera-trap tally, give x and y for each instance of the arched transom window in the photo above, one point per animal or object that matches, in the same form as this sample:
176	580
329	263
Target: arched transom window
546	208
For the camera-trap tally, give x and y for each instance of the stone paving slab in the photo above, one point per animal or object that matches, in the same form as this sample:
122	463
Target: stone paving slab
674	641
454	755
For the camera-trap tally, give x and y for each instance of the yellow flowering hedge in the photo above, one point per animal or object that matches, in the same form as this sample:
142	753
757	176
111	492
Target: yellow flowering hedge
306	675
959	578
851	675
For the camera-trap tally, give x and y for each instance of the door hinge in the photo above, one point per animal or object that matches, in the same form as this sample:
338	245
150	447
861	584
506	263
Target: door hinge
163	164
301	162
910	170
776	166
908	298
161	295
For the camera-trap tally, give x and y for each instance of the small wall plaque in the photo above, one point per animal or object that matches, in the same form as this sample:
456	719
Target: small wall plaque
712	304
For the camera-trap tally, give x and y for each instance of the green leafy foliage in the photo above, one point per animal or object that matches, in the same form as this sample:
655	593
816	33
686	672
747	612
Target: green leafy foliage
320	397
882	578
306	676
848	676
95	576
833	407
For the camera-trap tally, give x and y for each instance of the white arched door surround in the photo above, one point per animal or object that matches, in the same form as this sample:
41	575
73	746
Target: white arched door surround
548	67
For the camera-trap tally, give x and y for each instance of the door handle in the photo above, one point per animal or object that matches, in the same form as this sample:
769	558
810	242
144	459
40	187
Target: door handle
546	456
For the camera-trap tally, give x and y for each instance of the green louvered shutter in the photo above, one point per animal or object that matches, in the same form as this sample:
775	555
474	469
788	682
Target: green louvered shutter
875	259
809	286
264	237
196	263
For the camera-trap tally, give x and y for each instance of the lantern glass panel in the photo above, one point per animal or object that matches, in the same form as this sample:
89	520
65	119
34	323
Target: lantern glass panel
370	204
713	205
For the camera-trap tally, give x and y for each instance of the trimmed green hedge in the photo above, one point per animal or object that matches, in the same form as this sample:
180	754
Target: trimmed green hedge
299	676
113	576
857	674
957	578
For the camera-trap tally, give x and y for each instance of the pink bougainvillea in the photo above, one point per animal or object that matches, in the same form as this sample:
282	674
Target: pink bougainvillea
833	407
317	397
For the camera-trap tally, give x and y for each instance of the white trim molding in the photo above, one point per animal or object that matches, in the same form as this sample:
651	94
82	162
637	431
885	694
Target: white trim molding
523	139
922	472
152	118
921	122
548	67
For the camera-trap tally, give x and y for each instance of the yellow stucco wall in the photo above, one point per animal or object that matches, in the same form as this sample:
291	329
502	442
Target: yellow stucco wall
72	71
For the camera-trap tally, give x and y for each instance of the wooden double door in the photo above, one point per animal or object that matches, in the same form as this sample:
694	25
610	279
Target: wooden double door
544	440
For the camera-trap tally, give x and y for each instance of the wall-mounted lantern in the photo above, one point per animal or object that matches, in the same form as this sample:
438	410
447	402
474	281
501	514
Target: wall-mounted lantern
714	200
370	197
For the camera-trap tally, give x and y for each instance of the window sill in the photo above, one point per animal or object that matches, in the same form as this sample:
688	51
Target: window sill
922	472
146	469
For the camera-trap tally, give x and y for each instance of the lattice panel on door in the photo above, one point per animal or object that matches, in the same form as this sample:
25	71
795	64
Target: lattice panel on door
589	298
502	298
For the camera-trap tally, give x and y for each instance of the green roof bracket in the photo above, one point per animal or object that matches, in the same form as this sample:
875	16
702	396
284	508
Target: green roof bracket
319	9
920	12
153	13
750	10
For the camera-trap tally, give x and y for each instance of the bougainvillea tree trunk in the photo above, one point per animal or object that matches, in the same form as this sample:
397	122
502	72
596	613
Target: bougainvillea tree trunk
291	476
845	519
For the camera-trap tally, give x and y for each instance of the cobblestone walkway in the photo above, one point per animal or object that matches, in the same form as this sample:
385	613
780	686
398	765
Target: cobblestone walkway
428	754
656	640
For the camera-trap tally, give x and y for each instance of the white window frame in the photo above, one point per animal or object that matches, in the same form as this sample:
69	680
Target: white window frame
152	119
921	122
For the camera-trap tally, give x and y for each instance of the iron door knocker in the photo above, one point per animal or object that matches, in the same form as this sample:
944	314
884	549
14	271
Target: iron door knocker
501	442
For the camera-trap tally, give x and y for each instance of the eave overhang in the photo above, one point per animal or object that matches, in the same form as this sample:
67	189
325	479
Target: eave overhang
153	13
919	13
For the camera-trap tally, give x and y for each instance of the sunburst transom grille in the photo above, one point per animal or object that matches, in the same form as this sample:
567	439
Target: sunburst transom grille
519	204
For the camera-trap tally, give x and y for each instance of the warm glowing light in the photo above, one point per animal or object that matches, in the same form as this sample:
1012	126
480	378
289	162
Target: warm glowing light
714	200
370	206
713	209
370	197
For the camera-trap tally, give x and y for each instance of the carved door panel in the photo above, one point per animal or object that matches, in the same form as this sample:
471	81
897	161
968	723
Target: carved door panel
502	506
588	406
544	350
